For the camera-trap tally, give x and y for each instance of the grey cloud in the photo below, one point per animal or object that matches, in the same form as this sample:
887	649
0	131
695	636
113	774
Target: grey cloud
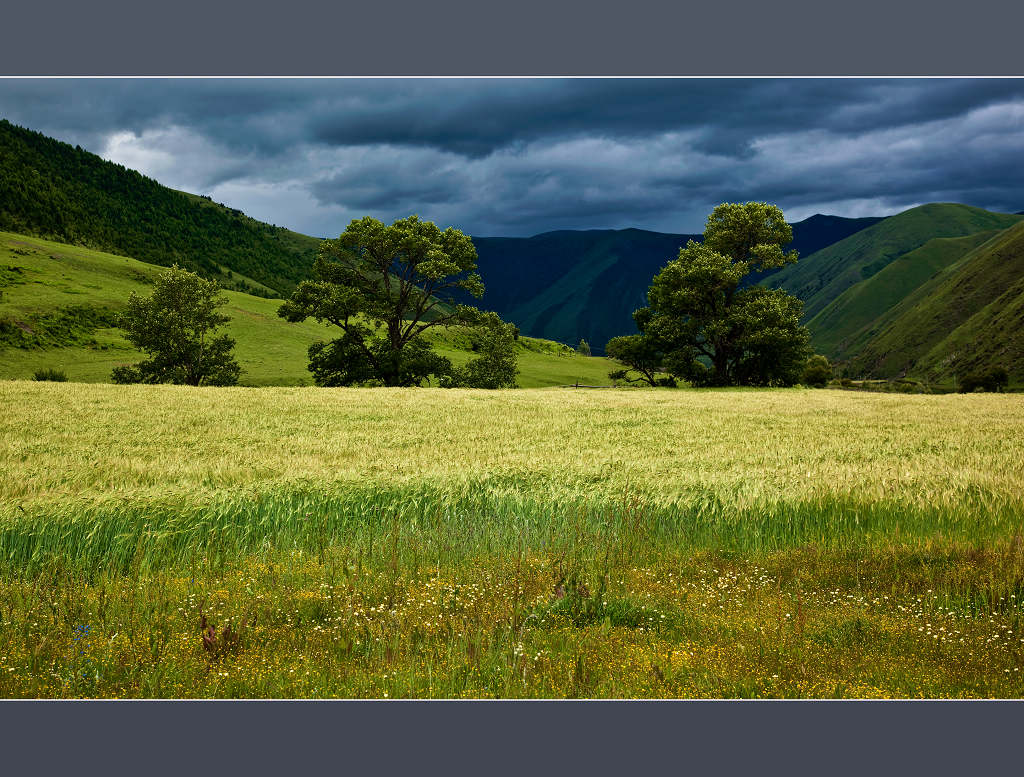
508	156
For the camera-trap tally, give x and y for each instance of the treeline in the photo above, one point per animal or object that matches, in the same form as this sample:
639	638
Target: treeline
54	190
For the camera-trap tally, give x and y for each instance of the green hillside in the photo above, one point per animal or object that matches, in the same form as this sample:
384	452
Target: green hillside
969	316
854	315
57	306
62	192
823	276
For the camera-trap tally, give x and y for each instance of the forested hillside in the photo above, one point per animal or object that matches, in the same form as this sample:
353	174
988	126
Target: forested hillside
62	192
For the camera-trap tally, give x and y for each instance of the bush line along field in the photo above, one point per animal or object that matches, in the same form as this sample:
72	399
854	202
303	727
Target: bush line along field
58	304
372	542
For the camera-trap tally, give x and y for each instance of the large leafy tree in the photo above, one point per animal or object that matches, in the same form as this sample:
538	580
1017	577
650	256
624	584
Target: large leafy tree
384	286
706	327
176	327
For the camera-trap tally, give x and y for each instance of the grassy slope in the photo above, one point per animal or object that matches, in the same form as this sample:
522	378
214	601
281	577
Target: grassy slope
54	190
853	315
966	317
52	276
825	275
992	337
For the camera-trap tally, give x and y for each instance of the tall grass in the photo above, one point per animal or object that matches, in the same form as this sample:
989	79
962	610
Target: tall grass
102	443
452	526
96	472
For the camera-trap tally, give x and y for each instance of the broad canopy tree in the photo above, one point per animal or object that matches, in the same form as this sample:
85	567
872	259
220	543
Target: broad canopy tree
176	326
384	286
703	327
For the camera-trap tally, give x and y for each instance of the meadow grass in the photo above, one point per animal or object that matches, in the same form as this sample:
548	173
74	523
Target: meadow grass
40	278
362	542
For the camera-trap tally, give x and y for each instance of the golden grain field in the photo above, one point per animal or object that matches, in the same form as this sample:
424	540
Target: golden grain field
176	542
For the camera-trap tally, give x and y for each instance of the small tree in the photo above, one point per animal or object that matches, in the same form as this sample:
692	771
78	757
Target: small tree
175	326
583	349
640	353
497	365
384	286
817	372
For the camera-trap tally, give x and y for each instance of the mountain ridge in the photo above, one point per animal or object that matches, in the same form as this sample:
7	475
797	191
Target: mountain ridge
596	303
967	317
829	272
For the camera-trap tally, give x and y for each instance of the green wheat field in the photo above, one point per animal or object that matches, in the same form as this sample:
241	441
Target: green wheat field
160	541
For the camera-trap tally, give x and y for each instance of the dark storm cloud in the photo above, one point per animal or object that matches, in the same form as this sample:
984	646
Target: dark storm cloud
509	156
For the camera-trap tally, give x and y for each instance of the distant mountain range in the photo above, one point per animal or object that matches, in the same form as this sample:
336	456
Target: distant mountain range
930	292
575	285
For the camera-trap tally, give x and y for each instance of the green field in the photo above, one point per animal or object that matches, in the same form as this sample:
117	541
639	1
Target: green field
427	542
40	278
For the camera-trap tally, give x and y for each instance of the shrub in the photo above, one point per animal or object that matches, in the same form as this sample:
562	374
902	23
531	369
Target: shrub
996	379
50	374
817	372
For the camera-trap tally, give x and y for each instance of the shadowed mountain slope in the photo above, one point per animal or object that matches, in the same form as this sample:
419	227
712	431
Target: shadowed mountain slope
569	285
969	316
823	276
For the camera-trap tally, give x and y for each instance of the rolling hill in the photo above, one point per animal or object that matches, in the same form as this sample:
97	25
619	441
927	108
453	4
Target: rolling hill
58	305
54	190
823	276
969	316
843	325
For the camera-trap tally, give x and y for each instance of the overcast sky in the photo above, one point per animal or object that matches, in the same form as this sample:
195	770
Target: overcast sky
522	156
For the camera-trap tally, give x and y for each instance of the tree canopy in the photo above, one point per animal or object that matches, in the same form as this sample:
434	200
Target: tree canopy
703	326
384	286
175	326
640	353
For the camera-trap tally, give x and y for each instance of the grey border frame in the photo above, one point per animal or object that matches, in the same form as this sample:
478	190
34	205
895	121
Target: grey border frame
463	38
